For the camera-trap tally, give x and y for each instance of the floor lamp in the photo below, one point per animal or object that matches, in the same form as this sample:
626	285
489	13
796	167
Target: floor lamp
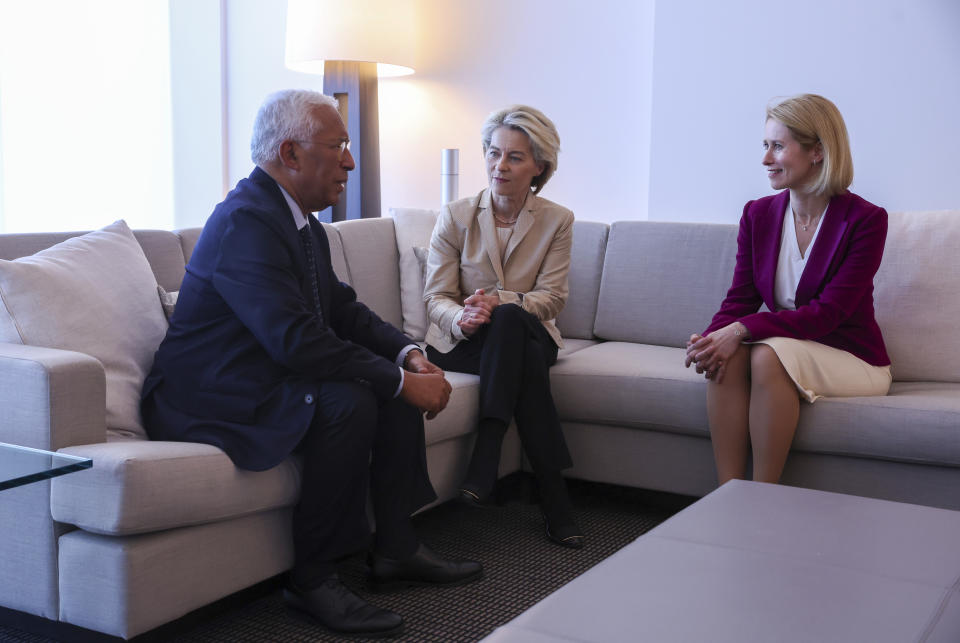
352	45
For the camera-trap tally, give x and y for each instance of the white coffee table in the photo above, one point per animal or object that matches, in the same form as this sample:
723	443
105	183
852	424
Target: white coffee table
760	562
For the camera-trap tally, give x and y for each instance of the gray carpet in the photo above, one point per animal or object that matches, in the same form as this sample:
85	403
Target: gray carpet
521	567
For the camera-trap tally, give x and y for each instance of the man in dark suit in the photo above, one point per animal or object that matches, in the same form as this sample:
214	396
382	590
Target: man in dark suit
269	353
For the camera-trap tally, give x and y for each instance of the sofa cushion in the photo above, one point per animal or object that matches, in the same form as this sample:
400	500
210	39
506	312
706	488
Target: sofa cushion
632	385
915	422
370	249
164	251
644	386
337	257
188	241
663	281
577	318
413	228
139	486
572	345
915	295
460	416
168	300
119	320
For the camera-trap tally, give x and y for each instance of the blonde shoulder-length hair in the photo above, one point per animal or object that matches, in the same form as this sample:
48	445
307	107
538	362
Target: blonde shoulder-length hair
813	119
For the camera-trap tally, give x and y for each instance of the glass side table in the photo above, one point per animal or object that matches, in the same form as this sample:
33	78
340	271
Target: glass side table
23	465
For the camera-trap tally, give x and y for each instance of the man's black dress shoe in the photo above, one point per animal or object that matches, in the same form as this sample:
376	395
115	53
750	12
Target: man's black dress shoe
339	610
424	567
566	536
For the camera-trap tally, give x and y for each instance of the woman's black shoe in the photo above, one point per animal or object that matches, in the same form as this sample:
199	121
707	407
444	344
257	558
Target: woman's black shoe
470	496
565	536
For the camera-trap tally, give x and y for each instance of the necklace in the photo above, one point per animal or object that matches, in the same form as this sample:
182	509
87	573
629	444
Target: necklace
805	227
506	221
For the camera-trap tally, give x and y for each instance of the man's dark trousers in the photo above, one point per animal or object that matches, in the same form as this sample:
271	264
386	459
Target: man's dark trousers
353	438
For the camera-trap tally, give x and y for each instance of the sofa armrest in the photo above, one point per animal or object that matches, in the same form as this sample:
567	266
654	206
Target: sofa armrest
51	398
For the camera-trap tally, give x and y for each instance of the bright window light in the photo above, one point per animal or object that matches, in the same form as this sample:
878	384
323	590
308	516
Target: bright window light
85	115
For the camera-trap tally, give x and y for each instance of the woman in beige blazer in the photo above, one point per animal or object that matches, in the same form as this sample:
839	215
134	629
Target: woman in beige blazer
496	279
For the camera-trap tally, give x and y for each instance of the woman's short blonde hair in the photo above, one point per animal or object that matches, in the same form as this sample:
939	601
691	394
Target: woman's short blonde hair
813	119
544	139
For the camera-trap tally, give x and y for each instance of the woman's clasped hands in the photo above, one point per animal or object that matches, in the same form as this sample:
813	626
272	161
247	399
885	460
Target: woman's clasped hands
477	309
710	354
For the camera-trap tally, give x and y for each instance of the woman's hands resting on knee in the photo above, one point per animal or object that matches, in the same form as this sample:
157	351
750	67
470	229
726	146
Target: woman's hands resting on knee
711	353
477	309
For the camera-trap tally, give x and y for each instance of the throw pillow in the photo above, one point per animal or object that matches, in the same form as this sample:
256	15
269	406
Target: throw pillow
168	300
421	254
93	294
915	295
413	229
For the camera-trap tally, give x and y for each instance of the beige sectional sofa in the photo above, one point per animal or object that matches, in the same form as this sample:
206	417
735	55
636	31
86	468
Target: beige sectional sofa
157	529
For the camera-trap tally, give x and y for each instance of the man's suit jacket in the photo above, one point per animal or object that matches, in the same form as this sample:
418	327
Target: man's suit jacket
465	256
835	295
245	354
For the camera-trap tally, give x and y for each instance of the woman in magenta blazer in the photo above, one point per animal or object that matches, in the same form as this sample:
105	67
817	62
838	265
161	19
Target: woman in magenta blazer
809	253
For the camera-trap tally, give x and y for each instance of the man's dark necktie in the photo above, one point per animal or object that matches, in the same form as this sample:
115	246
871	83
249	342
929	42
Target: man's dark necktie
306	238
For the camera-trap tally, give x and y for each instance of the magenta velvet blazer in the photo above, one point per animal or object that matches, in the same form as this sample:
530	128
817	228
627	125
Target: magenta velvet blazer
835	294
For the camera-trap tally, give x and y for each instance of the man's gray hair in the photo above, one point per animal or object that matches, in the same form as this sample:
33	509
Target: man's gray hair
285	115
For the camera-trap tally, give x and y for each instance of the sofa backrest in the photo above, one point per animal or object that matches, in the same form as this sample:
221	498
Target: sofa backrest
337	257
916	295
663	281
577	318
164	249
188	241
369	248
640	281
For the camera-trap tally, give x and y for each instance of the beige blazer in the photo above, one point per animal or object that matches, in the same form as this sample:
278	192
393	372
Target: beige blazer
465	255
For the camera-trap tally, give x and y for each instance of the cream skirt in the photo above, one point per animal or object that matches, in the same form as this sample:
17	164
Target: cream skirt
823	371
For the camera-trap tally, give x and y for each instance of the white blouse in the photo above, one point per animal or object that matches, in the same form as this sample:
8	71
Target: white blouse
790	263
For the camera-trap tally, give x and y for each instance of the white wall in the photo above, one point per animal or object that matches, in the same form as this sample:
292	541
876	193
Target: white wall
254	66
85	132
660	111
891	66
477	56
570	59
199	163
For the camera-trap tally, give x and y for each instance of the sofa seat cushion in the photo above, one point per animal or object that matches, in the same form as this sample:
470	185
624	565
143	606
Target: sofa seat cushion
460	416
916	422
633	385
572	345
139	486
643	386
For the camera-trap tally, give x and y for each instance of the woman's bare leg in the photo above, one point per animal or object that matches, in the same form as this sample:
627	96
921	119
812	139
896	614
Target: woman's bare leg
728	403
774	413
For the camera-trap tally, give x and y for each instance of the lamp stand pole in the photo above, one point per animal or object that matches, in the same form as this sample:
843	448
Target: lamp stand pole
354	85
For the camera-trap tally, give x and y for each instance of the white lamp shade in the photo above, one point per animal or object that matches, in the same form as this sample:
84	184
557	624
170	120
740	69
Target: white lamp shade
373	31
